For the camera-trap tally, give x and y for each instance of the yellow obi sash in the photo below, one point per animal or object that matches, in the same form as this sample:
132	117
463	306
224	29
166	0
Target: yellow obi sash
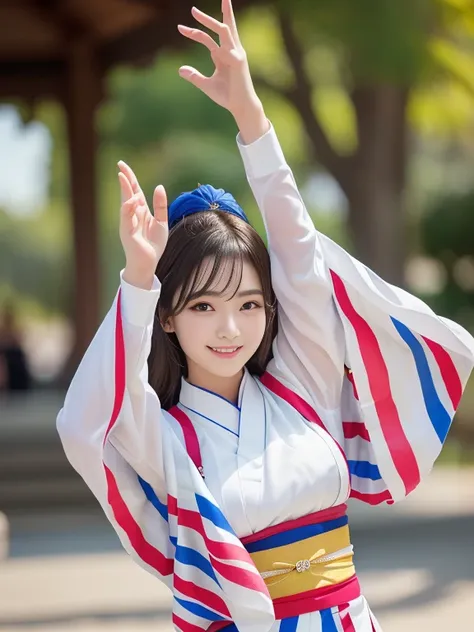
302	562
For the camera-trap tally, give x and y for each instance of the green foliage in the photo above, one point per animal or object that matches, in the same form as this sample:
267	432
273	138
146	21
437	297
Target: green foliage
33	262
381	40
446	233
148	104
448	227
171	133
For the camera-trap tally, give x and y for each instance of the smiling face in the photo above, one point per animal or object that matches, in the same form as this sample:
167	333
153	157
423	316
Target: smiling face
221	329
210	258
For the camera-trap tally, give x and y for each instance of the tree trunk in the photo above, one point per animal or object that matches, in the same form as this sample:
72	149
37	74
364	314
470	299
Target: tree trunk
84	91
373	178
375	183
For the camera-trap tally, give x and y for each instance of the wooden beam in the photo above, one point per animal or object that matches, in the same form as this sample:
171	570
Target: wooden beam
143	43
84	81
31	79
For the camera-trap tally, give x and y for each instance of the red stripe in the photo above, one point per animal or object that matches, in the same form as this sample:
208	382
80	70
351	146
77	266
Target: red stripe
119	368
190	437
448	371
192	519
346	620
172	505
318	599
379	383
218	625
292	398
148	553
309	601
314	518
240	576
299	404
206	597
373	499
350	377
354	429
222	550
185	626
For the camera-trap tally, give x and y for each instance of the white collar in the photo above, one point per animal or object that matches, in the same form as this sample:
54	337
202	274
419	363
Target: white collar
215	408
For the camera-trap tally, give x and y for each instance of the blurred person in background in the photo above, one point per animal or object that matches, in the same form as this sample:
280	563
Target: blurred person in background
14	372
223	449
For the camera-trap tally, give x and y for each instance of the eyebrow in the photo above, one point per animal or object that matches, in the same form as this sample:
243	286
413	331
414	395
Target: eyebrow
240	294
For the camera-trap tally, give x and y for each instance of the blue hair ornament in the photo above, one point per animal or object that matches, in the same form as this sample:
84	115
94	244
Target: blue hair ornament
204	198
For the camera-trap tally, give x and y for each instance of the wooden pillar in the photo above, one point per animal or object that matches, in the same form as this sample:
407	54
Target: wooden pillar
83	95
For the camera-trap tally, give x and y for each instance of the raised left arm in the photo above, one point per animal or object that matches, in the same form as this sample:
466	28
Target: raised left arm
230	86
409	366
309	336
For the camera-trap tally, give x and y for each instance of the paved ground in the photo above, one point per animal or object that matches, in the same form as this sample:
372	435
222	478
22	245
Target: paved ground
416	564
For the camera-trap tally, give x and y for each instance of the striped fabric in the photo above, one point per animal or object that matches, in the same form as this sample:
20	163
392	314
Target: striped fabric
399	397
187	542
402	390
209	571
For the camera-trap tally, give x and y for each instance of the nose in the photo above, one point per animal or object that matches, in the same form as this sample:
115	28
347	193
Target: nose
228	328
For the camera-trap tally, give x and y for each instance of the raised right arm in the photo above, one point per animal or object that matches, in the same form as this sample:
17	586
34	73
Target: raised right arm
110	401
111	420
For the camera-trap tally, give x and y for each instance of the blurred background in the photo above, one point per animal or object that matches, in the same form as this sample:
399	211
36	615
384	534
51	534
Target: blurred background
373	102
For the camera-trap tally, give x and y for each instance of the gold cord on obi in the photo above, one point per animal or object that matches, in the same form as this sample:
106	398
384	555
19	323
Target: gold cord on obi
316	562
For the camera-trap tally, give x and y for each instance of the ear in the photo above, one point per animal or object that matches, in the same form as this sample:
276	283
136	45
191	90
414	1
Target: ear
168	326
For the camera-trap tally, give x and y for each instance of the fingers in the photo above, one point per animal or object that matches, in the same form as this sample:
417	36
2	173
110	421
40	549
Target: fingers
198	36
132	206
215	26
193	76
229	18
160	204
132	178
126	191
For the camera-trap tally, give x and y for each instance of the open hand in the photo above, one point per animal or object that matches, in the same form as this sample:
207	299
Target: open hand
231	84
143	235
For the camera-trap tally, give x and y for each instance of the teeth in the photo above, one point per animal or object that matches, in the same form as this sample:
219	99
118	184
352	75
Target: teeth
224	350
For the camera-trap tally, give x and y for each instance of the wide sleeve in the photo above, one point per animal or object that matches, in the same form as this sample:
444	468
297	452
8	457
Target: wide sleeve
113	432
379	366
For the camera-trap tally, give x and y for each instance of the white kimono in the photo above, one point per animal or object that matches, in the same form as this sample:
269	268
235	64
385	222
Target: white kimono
263	462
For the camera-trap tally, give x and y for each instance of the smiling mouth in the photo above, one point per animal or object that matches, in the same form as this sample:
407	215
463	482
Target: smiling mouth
225	352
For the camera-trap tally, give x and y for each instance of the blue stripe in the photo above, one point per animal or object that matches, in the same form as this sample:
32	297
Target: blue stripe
289	624
190	557
364	469
214	514
295	535
439	416
199	610
153	498
327	621
173	540
208	419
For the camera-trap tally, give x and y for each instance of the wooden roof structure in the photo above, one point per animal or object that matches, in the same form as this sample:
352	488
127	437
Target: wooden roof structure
63	49
37	37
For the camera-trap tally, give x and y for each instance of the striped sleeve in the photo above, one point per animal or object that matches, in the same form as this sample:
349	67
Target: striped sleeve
112	432
407	371
407	365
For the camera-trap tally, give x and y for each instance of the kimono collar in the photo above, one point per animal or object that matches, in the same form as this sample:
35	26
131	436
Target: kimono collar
212	407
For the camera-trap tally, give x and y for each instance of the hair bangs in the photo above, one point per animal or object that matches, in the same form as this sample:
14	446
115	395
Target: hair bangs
218	269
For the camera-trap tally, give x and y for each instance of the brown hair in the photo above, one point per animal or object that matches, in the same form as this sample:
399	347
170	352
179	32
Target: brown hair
218	237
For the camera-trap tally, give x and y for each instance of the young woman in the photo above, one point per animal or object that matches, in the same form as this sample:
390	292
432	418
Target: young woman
226	466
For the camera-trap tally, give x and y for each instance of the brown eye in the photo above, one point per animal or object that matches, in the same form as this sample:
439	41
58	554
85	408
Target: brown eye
250	305
201	307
